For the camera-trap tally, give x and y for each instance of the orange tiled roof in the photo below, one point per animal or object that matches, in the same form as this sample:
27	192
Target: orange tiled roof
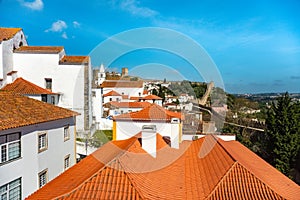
38	49
135	98
152	97
8	33
73	60
153	112
111	93
122	84
22	86
17	111
128	104
207	168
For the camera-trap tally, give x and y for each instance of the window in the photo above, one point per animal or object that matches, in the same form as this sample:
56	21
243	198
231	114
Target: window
42	143
67	162
43	177
110	99
53	100
11	190
10	147
66	133
48	83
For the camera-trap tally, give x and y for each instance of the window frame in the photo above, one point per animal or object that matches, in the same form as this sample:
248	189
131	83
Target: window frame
8	188
44	148
67	158
48	83
7	146
44	172
66	128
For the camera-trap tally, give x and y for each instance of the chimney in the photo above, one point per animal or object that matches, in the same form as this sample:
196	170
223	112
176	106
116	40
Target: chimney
11	77
175	132
149	139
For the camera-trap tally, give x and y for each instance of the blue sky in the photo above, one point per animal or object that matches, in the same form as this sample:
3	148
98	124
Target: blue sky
254	44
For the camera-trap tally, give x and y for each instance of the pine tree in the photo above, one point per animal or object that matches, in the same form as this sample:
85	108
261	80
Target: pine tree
282	138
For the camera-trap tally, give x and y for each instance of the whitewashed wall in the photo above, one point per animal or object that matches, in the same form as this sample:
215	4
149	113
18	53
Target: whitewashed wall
32	162
126	91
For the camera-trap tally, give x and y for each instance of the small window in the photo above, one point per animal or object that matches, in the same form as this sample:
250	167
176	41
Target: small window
43	178
10	147
48	83
42	142
67	162
93	94
110	99
66	133
11	190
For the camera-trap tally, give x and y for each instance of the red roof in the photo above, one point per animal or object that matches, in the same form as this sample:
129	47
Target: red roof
122	84
74	60
22	86
39	49
153	112
8	33
111	93
17	111
207	168
152	97
135	98
128	104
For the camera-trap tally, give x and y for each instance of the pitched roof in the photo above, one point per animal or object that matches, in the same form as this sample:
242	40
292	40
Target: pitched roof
74	60
17	111
111	93
39	49
22	86
128	104
153	112
208	168
152	97
122	84
8	33
135	98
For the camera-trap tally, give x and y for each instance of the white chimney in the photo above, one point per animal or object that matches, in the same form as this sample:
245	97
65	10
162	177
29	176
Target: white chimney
11	77
175	132
149	139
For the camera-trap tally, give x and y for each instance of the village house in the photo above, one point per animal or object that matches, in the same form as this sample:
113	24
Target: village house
37	142
114	108
207	168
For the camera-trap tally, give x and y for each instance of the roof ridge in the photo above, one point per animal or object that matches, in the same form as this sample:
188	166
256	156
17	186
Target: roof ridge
131	180
96	173
252	174
221	180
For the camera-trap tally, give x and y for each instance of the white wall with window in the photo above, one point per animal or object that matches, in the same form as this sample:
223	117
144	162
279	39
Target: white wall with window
28	151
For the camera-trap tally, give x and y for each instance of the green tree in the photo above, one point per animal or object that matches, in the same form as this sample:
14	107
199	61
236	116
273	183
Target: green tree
282	135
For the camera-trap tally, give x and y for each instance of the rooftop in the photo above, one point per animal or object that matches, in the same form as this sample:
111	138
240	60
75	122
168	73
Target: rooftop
122	84
22	86
208	168
74	60
17	111
152	97
128	104
111	93
39	49
153	112
8	33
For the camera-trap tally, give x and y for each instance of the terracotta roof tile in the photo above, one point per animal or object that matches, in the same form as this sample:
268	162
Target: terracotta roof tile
8	33
111	93
22	86
135	98
39	49
152	97
153	112
128	104
74	60
201	169
122	84
17	111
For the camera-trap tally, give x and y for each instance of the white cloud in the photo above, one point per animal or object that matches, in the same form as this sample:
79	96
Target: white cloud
34	5
57	26
64	35
134	8
76	24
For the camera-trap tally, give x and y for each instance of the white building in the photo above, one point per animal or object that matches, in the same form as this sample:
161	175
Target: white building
10	39
166	122
37	142
70	76
114	108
